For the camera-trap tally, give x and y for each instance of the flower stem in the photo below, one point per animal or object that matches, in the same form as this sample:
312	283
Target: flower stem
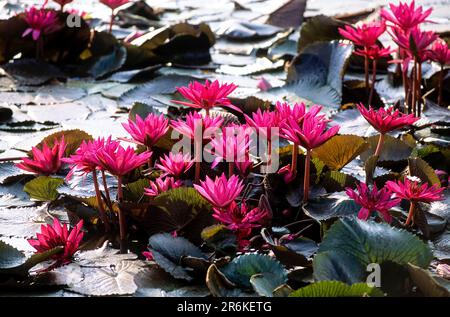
374	77
419	89
198	160
366	72
294	160
101	209
379	145
150	159
306	178
414	89
108	196
111	22
269	154
412	208
441	83
122	223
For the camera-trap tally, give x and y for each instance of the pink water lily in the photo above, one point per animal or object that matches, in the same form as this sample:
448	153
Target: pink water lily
375	52
207	96
386	120
241	219
265	122
373	200
197	125
40	22
296	111
221	191
46	161
62	3
440	53
406	16
175	164
57	235
365	35
113	5
149	130
120	161
415	41
415	192
160	185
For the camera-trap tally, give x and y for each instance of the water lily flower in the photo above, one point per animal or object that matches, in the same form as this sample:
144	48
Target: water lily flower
241	219
263	84
373	200
62	3
232	146
296	111
160	185
286	172
375	52
195	123
58	235
364	35
119	161
147	131
207	96
415	41
40	22
264	121
385	121
175	164
406	16
412	190
113	5
440	53
221	191
46	161
310	133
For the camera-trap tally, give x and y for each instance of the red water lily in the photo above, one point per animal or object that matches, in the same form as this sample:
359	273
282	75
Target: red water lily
162	184
415	41
207	96
221	191
309	133
365	35
175	164
147	131
46	161
241	219
264	121
296	111
373	200
375	52
406	16
440	53
197	125
386	120
415	192
119	161
40	22
58	235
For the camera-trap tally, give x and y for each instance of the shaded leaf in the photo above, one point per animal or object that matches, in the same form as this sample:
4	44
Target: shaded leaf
393	149
421	169
331	206
426	283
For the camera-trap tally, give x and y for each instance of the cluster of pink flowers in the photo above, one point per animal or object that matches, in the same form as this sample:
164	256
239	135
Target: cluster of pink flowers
414	45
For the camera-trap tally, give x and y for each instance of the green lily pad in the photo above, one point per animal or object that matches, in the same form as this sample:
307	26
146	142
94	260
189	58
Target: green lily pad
337	289
43	188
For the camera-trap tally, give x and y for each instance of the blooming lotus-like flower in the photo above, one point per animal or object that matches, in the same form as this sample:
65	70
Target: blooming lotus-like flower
46	161
162	184
365	34
40	22
385	121
62	3
207	96
440	53
175	164
241	220
406	16
85	159
286	172
245	167
148	131
232	146
114	4
310	133
119	161
204	126
412	190
221	191
264	121
297	111
415	41
375	52
58	235
373	200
